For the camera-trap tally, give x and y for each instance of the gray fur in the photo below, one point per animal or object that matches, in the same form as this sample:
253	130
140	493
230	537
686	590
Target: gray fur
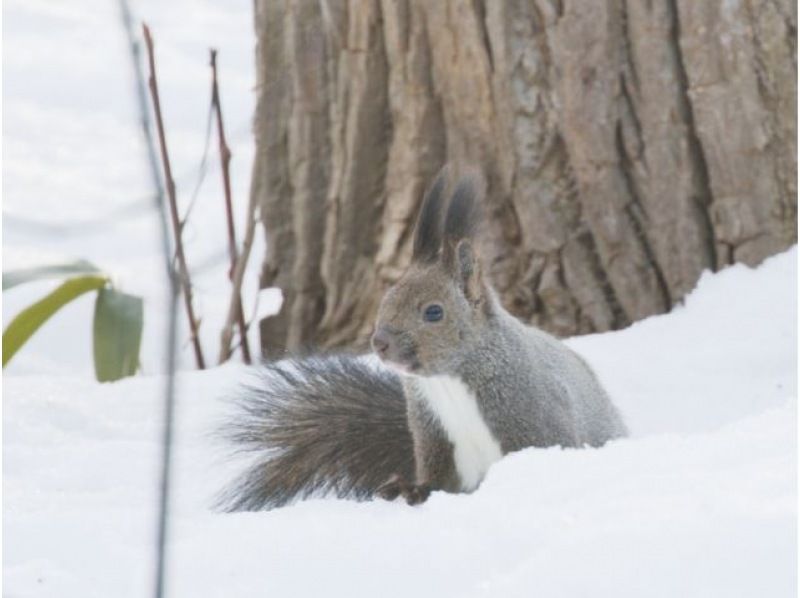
318	425
531	389
339	425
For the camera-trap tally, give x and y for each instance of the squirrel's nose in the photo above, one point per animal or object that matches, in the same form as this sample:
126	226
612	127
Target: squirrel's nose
381	341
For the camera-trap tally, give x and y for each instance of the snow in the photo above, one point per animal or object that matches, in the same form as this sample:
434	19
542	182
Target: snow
700	501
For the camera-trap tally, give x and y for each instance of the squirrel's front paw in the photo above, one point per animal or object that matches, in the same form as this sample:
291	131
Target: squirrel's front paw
396	485
392	488
417	494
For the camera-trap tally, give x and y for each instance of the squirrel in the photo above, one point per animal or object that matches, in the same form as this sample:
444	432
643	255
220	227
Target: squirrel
466	383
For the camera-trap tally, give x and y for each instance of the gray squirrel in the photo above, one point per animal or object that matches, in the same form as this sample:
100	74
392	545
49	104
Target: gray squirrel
466	383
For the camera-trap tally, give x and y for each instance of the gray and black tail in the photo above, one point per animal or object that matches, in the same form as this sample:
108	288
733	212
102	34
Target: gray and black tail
331	425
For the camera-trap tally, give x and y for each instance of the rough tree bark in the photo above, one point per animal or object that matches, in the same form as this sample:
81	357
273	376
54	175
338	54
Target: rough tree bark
628	145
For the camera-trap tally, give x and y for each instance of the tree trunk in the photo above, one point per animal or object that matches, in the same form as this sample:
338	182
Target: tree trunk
628	145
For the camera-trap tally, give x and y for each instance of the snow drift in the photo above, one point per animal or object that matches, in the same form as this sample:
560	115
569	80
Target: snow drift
700	501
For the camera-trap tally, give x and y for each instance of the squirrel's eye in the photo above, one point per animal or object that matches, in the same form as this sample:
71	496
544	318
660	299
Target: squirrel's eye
433	313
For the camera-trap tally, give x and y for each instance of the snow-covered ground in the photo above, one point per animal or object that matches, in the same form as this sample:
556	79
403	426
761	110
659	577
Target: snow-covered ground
700	501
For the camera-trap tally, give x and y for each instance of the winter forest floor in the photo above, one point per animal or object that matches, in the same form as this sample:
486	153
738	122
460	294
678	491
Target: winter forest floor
699	501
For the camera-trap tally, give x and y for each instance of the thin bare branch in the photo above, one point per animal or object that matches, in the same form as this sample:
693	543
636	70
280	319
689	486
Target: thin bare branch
225	159
183	270
234	308
203	168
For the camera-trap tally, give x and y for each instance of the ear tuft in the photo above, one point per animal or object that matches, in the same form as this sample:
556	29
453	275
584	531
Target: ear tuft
428	231
463	213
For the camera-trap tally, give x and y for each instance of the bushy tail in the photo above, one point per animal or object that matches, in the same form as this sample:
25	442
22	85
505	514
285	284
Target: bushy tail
320	425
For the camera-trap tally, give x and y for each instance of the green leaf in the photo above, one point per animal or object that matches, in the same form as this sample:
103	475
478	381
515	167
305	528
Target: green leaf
31	318
118	320
15	277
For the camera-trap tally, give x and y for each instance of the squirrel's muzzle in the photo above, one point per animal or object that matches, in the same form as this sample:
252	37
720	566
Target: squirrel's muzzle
395	349
381	342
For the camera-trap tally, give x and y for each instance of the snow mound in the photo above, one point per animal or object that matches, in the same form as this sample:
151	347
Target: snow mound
700	501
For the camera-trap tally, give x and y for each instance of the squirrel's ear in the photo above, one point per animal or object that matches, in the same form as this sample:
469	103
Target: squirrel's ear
428	231
460	225
463	213
467	268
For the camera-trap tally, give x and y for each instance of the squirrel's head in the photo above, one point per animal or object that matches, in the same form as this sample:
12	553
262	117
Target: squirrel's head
433	315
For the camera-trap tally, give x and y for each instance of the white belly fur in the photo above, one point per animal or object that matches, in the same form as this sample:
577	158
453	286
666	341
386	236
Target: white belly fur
475	448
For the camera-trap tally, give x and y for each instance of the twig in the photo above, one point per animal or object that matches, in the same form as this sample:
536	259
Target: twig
234	308
254	313
225	159
183	270
203	168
